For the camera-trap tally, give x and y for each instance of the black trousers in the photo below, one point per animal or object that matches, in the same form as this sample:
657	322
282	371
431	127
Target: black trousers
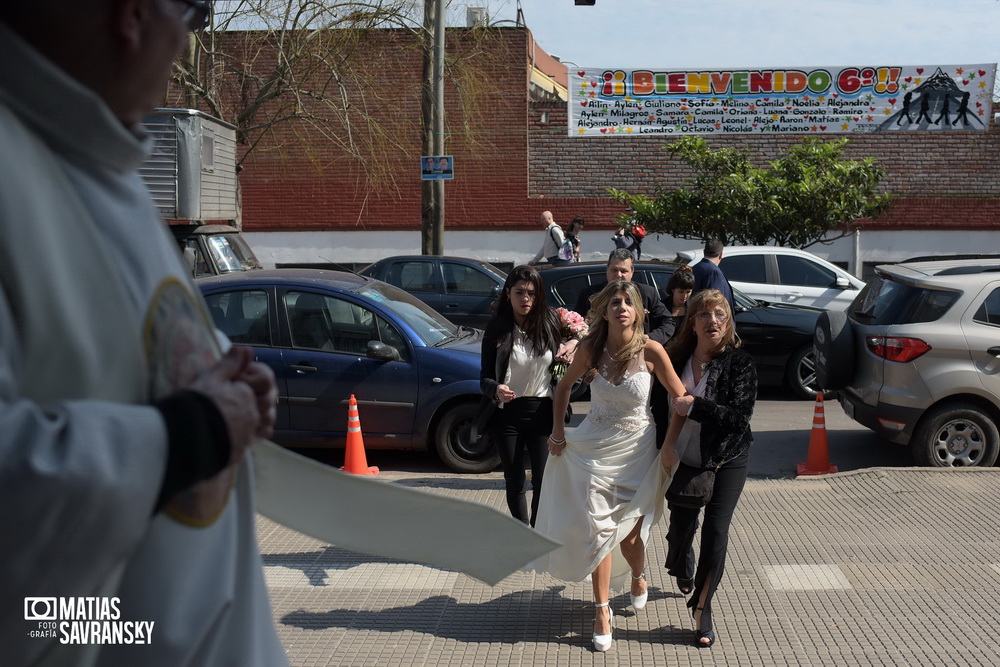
729	481
523	425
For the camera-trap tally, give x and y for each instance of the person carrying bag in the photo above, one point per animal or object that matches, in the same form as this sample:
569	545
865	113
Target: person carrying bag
713	447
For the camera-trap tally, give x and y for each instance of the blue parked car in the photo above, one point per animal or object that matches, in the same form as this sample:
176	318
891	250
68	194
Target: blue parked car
328	334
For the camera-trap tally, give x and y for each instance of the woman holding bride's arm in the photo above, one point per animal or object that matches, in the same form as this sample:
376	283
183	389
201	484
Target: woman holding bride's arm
603	486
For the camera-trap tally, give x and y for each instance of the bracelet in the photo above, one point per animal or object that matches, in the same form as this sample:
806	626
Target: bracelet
554	441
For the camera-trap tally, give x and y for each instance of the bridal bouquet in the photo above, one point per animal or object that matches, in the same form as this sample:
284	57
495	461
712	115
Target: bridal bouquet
571	327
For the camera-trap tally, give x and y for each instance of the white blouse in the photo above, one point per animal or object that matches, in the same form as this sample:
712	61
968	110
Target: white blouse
689	440
528	374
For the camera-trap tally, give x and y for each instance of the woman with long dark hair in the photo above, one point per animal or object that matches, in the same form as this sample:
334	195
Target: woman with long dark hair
521	341
679	289
573	235
721	384
603	485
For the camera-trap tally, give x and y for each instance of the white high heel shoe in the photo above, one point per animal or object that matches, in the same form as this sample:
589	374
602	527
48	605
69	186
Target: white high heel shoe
603	642
639	601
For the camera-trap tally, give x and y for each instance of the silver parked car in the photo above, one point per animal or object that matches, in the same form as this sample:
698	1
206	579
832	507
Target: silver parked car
916	358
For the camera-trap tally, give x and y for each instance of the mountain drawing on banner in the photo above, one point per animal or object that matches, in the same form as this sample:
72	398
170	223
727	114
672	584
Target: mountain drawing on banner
936	104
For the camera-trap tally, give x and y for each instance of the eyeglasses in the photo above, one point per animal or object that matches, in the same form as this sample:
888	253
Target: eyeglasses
197	14
719	315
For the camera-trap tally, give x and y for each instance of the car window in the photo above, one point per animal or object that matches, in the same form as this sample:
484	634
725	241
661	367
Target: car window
242	315
804	272
415	276
660	279
567	290
989	312
323	322
886	301
195	258
744	268
466	280
391	336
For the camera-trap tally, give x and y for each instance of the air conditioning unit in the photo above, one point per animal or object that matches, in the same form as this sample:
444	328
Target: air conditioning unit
476	17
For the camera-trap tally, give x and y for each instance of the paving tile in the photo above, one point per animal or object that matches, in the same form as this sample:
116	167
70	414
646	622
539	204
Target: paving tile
875	567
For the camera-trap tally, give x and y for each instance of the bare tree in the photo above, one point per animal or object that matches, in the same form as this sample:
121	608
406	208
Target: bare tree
324	72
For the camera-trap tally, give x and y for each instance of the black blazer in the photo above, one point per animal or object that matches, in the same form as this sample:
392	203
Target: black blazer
658	324
724	411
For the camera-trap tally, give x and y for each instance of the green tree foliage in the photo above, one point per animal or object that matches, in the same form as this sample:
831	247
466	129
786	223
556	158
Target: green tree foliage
810	195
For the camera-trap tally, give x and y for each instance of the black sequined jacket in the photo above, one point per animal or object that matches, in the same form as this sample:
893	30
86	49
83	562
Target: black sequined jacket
725	410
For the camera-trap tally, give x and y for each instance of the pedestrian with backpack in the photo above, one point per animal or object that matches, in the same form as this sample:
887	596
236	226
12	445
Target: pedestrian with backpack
556	248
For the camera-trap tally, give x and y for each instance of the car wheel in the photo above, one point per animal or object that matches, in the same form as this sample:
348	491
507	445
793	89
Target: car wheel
833	343
454	445
955	435
800	375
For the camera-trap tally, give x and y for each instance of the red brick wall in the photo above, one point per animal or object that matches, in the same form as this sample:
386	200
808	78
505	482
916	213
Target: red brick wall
510	165
297	180
947	179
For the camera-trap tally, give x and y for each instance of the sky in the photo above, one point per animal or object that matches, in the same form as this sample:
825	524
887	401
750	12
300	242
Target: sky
728	34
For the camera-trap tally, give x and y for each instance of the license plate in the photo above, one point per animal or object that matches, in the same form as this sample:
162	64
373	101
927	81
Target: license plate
848	408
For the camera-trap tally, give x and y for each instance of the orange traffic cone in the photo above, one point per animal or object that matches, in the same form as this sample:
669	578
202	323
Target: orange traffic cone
817	458
354	459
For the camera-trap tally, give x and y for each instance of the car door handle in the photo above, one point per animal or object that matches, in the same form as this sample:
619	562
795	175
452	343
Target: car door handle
995	351
303	368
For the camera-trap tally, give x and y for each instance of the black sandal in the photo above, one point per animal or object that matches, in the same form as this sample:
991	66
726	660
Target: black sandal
685	585
703	634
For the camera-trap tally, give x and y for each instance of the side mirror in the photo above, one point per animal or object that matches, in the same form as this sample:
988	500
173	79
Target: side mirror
379	350
496	290
843	283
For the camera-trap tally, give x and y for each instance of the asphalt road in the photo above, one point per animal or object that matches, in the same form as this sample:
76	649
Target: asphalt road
782	428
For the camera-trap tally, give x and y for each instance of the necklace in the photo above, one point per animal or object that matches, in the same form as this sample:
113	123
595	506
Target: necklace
702	364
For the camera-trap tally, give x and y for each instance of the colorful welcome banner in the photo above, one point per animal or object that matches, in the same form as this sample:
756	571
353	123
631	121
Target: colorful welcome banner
756	101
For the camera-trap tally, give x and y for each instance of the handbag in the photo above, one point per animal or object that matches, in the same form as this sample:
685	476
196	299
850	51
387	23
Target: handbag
691	487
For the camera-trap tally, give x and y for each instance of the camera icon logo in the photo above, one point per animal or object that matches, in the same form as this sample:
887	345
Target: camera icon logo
40	609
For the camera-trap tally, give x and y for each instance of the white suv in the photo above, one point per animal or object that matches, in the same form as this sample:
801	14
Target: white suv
784	275
916	358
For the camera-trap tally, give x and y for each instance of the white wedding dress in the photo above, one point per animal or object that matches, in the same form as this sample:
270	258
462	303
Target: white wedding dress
608	476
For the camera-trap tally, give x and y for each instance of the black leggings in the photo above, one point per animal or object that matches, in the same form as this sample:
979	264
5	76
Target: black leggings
729	481
523	424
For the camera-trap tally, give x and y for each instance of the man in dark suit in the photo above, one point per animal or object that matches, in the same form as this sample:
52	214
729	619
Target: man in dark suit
708	275
658	326
620	267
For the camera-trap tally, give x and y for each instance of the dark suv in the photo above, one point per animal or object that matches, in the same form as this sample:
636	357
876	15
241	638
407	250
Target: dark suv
779	337
917	359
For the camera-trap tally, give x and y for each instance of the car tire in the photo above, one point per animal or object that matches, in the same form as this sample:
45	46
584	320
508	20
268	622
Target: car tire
833	343
955	435
454	446
800	374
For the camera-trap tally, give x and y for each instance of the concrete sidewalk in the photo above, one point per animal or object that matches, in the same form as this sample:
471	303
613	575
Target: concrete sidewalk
887	566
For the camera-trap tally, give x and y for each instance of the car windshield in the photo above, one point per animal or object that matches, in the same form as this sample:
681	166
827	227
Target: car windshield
430	325
743	301
232	253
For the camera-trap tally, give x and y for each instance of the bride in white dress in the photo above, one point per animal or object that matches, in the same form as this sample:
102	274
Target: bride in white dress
603	487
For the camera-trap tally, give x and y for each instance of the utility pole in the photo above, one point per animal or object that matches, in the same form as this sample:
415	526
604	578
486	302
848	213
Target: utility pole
432	121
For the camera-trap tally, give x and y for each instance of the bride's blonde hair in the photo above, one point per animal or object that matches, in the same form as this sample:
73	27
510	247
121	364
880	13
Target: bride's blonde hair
597	337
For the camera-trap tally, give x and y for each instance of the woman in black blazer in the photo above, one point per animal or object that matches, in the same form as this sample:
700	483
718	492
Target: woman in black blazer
521	341
721	381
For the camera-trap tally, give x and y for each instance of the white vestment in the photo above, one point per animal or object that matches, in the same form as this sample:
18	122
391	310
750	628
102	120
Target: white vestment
98	318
